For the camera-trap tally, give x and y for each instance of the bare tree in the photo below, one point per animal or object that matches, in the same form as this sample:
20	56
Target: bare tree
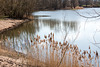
74	3
16	8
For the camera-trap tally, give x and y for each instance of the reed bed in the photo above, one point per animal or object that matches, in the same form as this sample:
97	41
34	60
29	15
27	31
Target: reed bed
54	53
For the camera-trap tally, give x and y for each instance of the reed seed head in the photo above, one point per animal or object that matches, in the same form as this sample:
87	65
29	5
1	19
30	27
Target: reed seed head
59	43
64	43
89	56
45	36
31	41
53	34
89	47
97	54
50	39
84	52
49	35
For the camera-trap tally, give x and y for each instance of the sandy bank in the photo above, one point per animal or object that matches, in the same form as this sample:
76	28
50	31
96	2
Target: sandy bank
9	58
6	24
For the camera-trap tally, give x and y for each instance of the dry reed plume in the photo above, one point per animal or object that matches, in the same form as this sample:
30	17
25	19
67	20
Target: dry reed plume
51	52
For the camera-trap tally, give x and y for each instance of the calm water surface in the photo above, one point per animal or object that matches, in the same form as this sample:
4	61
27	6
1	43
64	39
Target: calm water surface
79	30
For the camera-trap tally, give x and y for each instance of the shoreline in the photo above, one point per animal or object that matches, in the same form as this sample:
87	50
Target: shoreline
11	58
8	24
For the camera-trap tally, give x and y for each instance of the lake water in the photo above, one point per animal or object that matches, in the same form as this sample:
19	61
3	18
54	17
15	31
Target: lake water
81	31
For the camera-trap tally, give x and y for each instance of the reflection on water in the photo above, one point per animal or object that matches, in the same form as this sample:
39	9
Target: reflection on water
79	30
55	24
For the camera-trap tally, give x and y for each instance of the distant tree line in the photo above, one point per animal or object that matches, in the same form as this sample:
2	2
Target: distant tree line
22	8
58	4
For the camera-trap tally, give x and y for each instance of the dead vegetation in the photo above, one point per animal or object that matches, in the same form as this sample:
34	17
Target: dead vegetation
57	54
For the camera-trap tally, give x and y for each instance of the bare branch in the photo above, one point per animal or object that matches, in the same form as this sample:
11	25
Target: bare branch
86	16
96	12
95	44
76	37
